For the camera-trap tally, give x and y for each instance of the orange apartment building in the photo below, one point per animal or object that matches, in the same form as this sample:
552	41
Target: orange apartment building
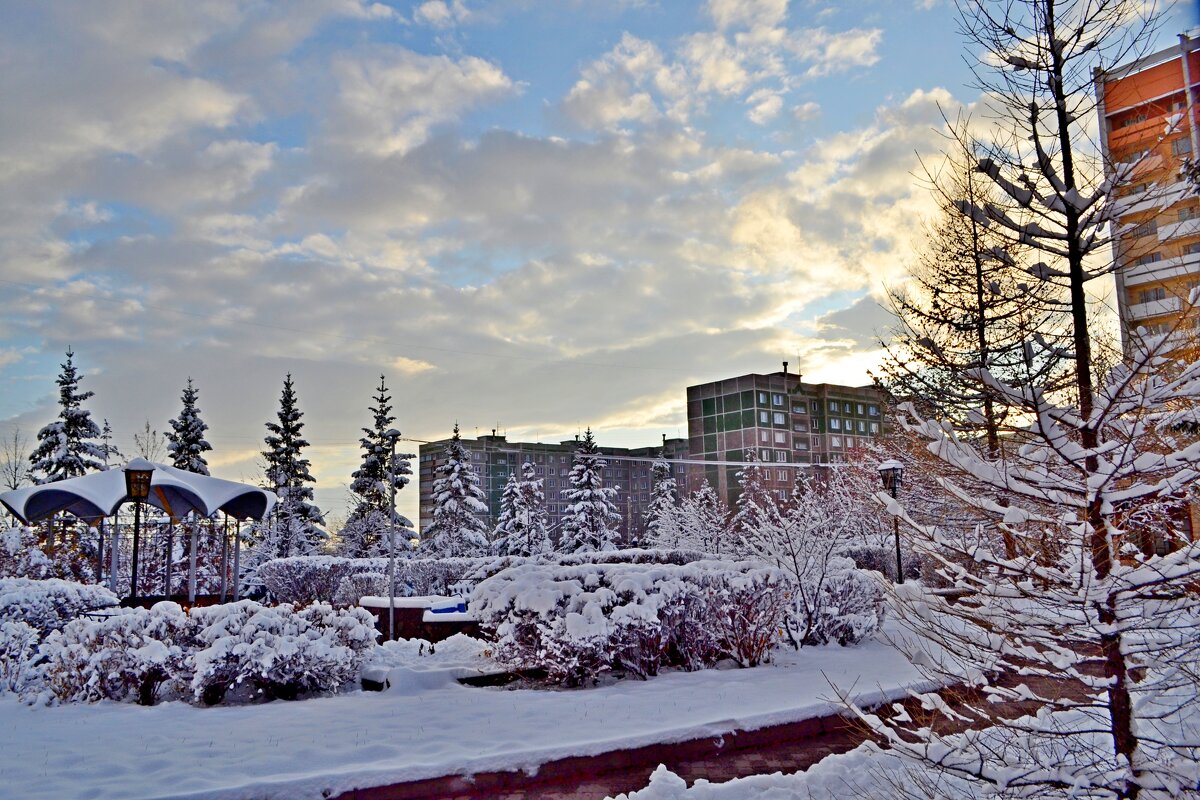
1147	112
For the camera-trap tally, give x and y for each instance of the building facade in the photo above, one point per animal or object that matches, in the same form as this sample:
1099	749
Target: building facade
788	424
1147	112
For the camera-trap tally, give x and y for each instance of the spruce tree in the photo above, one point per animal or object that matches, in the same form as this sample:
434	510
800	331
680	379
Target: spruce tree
521	530
590	524
662	500
457	529
296	527
366	529
112	455
67	447
755	504
187	444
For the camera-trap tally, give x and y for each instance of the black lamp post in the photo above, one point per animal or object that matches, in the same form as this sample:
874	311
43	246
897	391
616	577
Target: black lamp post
891	472
137	487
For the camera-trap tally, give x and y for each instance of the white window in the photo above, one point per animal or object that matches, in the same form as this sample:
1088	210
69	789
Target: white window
872	411
779	418
780	437
781	475
801	444
781	455
835	424
776	399
835	441
800	426
762	398
874	427
859	408
833	405
764	455
799	408
862	426
764	418
764	437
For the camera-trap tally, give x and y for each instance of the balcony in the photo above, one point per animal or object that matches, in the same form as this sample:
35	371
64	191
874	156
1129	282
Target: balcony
1177	230
1178	267
1156	197
1154	308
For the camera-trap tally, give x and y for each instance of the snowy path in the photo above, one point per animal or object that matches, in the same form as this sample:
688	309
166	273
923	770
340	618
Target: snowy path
328	745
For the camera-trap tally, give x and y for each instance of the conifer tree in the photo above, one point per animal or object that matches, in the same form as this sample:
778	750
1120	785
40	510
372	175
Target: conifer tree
67	447
662	500
590	523
295	529
112	455
187	444
459	505
704	522
366	529
521	529
756	506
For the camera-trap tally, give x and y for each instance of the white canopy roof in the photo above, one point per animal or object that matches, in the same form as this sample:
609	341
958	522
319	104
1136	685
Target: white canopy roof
100	494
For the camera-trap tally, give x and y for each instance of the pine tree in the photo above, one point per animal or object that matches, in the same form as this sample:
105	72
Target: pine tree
457	529
66	447
662	503
756	506
295	530
112	455
366	529
521	529
591	520
187	443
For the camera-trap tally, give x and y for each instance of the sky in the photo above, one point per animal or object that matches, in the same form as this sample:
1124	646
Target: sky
530	215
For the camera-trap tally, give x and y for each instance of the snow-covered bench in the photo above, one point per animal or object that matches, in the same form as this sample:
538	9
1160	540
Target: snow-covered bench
429	617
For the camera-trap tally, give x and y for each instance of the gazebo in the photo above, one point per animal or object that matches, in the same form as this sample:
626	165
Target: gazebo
98	495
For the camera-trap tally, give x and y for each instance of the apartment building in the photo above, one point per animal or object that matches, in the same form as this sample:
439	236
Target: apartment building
494	458
784	420
1147	112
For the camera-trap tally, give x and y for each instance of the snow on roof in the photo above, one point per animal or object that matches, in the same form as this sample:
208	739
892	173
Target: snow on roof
175	491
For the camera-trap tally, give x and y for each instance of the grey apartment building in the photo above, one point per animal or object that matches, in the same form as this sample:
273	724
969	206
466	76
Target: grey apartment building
791	425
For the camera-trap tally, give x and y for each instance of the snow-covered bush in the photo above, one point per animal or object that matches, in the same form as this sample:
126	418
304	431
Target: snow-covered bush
304	579
576	621
648	555
358	585
849	608
882	559
24	555
48	605
279	651
132	653
18	654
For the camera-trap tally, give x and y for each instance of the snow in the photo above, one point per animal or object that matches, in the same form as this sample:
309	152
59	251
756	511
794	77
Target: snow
422	601
425	726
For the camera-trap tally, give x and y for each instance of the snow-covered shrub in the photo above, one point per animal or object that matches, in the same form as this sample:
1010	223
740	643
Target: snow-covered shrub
577	621
882	559
304	579
48	605
131	653
278	652
850	608
358	585
24	555
18	653
649	555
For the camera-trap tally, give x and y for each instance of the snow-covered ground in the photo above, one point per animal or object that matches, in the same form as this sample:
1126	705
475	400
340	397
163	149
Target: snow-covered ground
426	725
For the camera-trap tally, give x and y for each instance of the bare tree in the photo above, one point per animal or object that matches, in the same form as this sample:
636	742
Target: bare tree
14	459
1101	633
150	444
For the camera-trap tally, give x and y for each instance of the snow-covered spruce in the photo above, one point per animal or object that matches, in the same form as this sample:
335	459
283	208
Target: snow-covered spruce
296	526
578	621
701	522
48	605
521	527
187	444
277	652
67	447
591	518
460	504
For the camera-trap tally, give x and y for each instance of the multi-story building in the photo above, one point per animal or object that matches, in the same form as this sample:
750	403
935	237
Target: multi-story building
1147	112
788	423
494	458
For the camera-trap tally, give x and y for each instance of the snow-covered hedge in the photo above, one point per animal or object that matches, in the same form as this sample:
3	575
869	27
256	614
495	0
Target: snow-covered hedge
359	585
48	605
277	651
131	654
18	656
22	554
305	579
576	621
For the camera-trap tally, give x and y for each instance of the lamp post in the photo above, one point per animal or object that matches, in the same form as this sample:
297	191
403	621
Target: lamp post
891	472
138	473
392	435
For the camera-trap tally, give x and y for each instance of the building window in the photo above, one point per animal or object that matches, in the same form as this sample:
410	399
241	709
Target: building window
776	399
764	436
1145	229
858	409
762	398
764	417
551	483
835	424
779	418
874	427
862	426
1150	295
1181	146
764	455
782	455
800	426
1191	249
835	441
833	405
780	437
1187	212
873	411
801	444
1149	258
799	408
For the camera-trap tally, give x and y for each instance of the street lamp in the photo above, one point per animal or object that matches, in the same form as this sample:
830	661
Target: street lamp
138	473
392	435
891	472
